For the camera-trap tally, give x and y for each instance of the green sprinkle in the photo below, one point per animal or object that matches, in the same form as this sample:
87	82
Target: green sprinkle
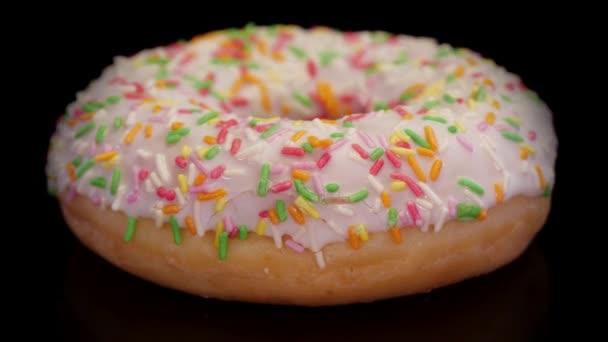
401	58
417	139
506	98
431	104
177	236
512	122
84	129
332	187
358	196
273	30
326	57
196	110
265	173
262	187
451	78
115	181
200	85
452	129
253	122
160	61
181	131
372	69
392	217
512	136
113	99
307	147
223	245
337	135
268	132
117	122
101	134
305	100
225	62
130	228
99	182
347	124
243	232
547	192
443	52
469	184
162	74
308	194
217	95
480	95
376	154
467	212
76	162
85	167
281	210
299	53
407	95
173	138
381	106
212	152
448	98
434	118
92	106
207	117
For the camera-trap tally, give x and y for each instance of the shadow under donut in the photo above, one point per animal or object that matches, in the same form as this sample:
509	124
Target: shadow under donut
103	303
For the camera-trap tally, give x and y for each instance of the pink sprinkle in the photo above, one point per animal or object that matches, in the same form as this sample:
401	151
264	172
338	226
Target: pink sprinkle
181	162
221	136
217	172
107	147
156	119
199	164
226	124
143	174
161	192
390	155
414	213
400	109
532	135
482	126
311	68
96	199
355	117
393	103
422	111
336	145
200	188
366	139
293	151
78	112
234	232
235	146
351	37
316	179
277	169
383	141
503	127
510	86
184	111
263	214
170	195
132	197
282	186
187	59
303	165
376	167
228	225
452	206
403	144
224	106
296	247
277	134
410	183
239	101
465	143
135	179
361	151
92	149
323	160
477	74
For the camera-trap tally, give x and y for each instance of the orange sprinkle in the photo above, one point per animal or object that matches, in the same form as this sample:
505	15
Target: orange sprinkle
133	132
325	143
425	152
236	87
160	84
277	56
274	217
261	46
210	140
298	135
415	88
296	214
471	61
86	117
157	109
72	122
176	125
148	131
105	156
285	108
170	209
459	71
408	116
523	154
329	121
490	118
541	177
326	94
386	199
416	167
347	109
149	99
482	214
190	225
355	240
71	172
499	193
200	179
207	196
496	104
299	174
488	82
265	97
396	234
430	137
314	141
436	169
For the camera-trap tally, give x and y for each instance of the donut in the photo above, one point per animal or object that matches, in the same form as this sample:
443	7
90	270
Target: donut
305	166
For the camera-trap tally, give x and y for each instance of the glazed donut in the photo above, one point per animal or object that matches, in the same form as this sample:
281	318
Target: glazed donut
286	165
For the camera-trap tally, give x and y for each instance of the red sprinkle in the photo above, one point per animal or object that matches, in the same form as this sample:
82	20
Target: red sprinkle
225	107
143	174
236	145
393	158
282	186
460	100
217	172
226	124
422	111
263	214
532	135
221	136
477	74
312	68
347	98
262	128
234	232
361	151
403	144
510	86
323	160
239	101
184	111
181	162
410	183
161	192
376	167
293	151
170	196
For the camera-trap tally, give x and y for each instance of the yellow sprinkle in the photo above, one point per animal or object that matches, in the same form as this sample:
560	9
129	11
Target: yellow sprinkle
329	121
362	231
490	118
149	100
402	151
488	82
111	163
186	150
274	76
459	71
416	168
386	199
202	151
214	121
307	207
460	126
220	204
148	131
298	123
408	116
528	148
472	104
105	156
393	139
261	227
432	90
157	109
219	229
523	155
401	135
209	140
299	174
298	135
183	185
496	104
133	132
398	185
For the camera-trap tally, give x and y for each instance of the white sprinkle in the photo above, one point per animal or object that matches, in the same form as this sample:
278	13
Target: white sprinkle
297	236
344	210
119	195
313	240
506	182
335	227
101	113
525	167
155	180
144	154
474	197
443	147
250	151
251	136
377	205
228	142
81	146
196	214
336	145
191	173
497	162
424	203
130	119
172	113
278	242
161	166
234	172
158	215
148	185
320	260
433	196
443	212
426	216
375	183
356	157
180	197
488	141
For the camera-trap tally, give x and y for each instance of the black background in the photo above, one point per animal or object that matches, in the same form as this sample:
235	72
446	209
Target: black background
89	300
